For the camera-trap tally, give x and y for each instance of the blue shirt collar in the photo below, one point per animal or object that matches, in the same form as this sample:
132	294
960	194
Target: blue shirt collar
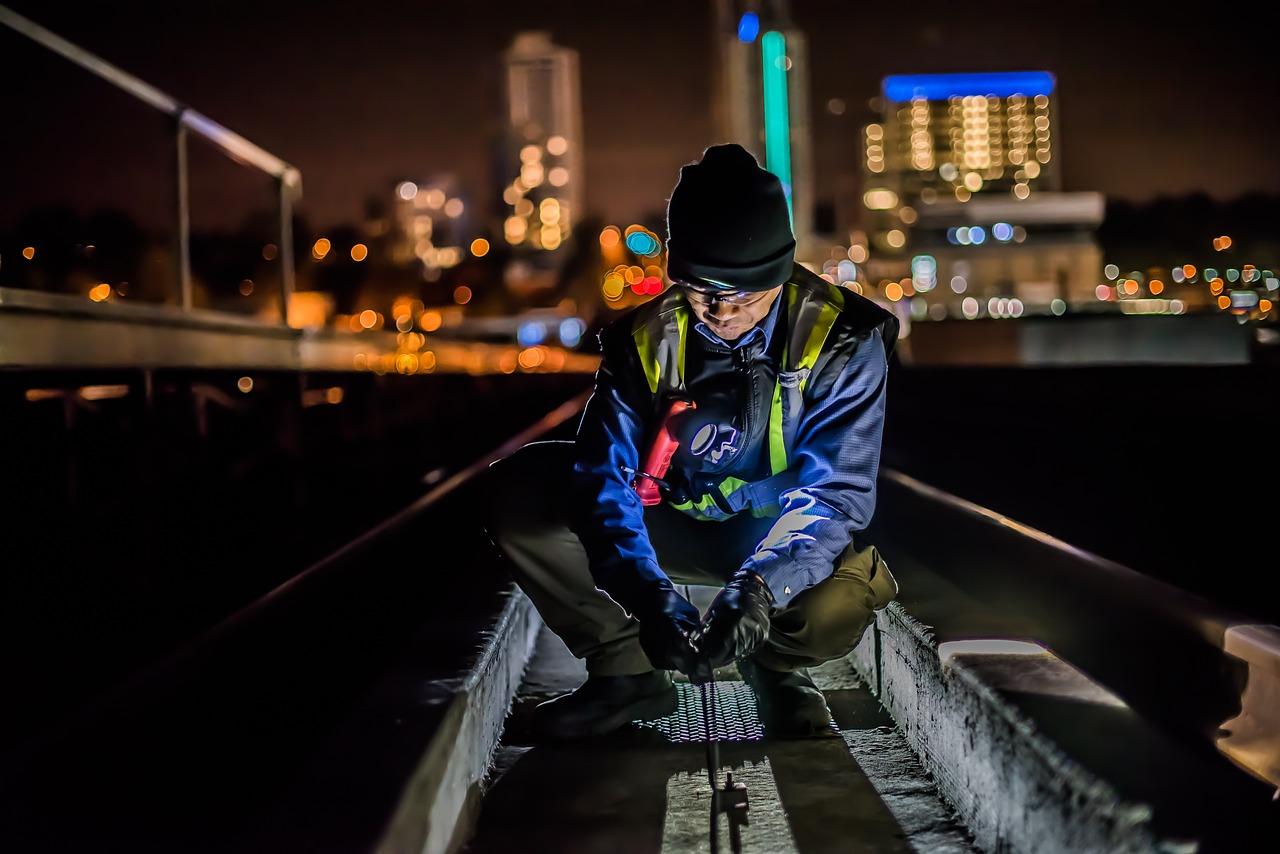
762	331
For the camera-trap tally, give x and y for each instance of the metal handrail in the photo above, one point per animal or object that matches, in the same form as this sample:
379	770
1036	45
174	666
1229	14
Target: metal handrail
239	149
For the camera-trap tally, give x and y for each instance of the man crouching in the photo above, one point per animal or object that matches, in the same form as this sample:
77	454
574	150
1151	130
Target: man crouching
784	375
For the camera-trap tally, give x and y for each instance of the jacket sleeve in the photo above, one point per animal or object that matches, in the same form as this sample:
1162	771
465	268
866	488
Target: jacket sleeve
837	456
607	514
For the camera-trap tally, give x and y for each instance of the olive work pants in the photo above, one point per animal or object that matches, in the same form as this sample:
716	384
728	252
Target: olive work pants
528	521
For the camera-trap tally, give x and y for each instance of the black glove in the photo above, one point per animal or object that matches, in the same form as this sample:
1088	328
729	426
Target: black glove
737	621
667	620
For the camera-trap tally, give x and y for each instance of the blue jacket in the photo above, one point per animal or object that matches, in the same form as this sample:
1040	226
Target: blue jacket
835	455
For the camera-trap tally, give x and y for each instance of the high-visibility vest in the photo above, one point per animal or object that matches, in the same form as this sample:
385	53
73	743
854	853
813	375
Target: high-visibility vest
661	338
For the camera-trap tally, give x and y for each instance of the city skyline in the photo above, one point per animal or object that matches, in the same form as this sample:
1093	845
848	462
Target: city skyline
345	94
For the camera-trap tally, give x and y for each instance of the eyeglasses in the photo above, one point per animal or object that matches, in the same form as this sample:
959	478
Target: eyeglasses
706	297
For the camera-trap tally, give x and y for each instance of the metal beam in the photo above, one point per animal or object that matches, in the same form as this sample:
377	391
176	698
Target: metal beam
235	146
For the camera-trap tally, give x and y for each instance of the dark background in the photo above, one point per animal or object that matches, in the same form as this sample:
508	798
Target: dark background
1155	99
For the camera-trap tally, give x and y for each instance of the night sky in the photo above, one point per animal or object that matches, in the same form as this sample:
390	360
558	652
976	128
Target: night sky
358	95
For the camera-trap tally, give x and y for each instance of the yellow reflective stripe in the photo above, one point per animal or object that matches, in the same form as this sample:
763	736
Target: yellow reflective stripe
730	485
647	348
704	503
777	444
682	324
818	334
649	337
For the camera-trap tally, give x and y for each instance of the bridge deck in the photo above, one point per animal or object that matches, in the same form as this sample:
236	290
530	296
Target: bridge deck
646	789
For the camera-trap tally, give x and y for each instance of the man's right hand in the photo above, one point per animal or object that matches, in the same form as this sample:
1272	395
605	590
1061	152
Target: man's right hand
667	619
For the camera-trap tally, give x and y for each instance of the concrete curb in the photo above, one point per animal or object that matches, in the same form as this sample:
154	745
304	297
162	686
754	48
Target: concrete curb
1013	787
437	798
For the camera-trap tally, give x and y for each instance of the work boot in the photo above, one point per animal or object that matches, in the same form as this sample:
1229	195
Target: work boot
791	706
603	704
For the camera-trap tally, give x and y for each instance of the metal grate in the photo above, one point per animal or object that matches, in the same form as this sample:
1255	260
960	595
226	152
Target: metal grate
736	716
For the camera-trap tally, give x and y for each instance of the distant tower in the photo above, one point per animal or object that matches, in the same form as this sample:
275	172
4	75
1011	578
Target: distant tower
761	98
544	190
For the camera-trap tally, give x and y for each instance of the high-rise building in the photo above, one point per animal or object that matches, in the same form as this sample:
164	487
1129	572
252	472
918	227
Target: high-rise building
952	135
761	98
963	201
544	192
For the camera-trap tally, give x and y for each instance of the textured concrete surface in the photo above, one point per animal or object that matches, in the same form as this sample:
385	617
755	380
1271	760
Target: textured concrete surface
1110	735
1013	787
432	803
885	758
641	792
1034	753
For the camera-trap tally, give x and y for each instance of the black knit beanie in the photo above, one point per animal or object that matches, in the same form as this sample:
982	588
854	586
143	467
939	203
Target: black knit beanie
728	225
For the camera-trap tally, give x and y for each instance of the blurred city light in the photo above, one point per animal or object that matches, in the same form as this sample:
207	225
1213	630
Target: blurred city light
880	199
924	269
571	331
643	242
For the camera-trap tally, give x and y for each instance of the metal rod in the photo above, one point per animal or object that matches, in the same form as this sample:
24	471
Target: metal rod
705	690
230	142
182	219
286	192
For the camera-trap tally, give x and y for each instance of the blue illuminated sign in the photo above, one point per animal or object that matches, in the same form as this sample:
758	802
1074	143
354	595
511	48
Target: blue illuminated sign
939	87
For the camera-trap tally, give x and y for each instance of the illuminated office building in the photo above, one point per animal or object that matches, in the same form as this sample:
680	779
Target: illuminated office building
948	136
962	177
544	192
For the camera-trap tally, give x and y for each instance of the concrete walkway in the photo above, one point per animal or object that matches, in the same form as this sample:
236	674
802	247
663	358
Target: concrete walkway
646	789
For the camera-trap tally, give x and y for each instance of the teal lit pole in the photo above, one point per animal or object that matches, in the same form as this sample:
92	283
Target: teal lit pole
777	116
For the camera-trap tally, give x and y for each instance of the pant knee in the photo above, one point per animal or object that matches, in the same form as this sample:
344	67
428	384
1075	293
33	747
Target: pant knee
828	620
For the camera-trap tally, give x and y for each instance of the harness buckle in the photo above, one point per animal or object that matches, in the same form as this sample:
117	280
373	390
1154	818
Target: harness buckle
793	379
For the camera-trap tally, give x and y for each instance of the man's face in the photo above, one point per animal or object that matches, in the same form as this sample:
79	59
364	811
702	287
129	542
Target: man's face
730	314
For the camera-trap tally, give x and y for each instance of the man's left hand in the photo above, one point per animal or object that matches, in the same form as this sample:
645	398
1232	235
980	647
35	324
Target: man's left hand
737	621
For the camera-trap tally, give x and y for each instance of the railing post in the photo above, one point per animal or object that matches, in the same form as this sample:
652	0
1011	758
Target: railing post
182	212
286	185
